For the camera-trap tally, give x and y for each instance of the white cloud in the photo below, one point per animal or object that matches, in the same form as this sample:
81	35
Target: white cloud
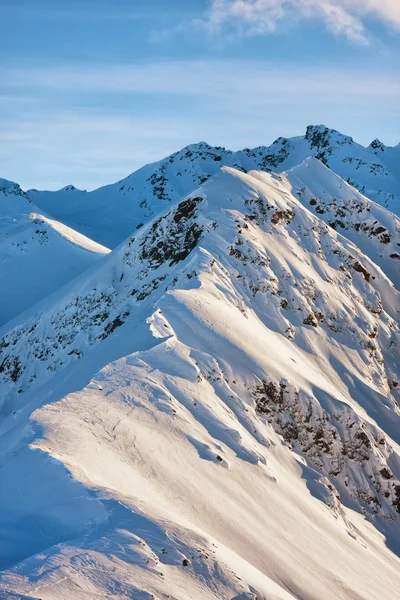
341	17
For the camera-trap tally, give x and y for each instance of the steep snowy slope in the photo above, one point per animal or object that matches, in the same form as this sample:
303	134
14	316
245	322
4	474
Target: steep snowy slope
212	413
389	156
111	213
37	254
371	227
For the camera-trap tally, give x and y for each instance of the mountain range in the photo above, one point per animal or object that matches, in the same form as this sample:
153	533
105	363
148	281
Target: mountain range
211	410
111	213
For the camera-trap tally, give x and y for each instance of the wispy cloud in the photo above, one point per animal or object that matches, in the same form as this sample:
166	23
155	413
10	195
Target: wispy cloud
223	80
47	148
92	124
341	17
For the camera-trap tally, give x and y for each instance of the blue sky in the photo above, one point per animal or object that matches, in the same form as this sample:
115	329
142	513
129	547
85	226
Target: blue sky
92	90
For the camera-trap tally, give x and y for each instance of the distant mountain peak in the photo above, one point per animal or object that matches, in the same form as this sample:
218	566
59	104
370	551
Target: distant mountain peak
280	140
11	188
377	145
321	136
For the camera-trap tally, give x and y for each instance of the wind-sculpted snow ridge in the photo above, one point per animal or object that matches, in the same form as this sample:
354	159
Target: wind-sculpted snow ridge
111	213
38	254
211	413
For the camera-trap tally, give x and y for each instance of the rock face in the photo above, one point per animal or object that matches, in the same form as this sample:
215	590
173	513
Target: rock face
110	214
337	443
215	406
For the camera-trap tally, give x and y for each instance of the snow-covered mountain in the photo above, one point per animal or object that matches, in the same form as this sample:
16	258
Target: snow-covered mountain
37	254
212	412
109	214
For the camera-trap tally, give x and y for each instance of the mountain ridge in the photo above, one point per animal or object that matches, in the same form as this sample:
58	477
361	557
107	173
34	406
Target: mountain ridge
220	391
142	195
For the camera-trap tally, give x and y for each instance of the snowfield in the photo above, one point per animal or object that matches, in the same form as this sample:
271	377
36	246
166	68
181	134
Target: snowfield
212	411
37	254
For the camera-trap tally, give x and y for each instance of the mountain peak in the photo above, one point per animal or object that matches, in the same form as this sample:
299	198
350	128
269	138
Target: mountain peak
198	146
10	187
377	145
70	188
321	136
280	140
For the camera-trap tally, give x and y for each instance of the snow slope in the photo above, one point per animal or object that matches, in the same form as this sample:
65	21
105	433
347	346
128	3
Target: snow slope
110	214
372	228
37	254
211	413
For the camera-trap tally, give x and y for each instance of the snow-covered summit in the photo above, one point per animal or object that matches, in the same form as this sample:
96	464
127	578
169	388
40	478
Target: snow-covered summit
13	201
219	395
377	145
321	136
